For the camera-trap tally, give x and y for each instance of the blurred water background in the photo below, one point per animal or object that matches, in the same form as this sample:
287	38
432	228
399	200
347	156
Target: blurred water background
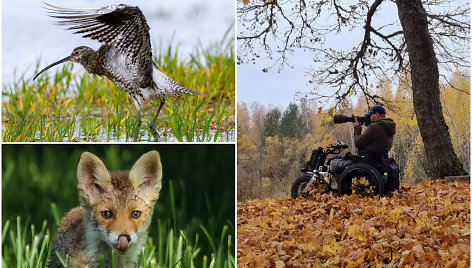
29	35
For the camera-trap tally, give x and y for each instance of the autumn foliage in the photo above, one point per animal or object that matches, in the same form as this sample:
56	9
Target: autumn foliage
269	159
426	225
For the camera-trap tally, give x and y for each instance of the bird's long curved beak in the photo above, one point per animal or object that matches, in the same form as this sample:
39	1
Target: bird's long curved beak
51	65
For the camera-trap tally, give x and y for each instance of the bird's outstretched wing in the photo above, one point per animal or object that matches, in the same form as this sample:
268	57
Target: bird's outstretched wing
121	26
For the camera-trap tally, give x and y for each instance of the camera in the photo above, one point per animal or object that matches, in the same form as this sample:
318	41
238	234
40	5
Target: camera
340	119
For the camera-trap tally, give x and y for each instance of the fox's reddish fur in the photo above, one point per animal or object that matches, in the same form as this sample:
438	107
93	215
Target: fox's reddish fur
115	212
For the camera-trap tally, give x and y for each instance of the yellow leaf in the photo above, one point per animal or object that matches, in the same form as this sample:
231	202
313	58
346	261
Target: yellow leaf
331	214
355	232
264	223
330	245
296	255
384	201
396	255
352	264
372	230
447	202
423	215
394	215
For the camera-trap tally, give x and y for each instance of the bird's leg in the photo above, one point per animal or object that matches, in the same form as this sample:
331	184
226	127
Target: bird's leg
138	118
152	126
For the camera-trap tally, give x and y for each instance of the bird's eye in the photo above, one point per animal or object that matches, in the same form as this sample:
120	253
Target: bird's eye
76	53
107	214
136	214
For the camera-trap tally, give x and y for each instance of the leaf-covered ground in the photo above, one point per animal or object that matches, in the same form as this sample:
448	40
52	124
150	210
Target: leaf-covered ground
426	225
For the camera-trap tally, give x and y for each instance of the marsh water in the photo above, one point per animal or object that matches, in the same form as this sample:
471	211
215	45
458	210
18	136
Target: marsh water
213	135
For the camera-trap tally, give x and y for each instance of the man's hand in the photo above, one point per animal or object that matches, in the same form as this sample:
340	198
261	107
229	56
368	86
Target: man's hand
355	123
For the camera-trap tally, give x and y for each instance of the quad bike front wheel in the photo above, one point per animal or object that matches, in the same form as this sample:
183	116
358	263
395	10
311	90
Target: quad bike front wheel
299	187
362	179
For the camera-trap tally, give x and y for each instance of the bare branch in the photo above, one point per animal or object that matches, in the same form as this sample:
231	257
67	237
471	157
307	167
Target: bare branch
275	29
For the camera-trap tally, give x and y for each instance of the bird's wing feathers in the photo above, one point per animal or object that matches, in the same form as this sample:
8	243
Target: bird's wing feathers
121	26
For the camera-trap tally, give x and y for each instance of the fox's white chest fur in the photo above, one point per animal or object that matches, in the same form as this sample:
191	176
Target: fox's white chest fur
97	245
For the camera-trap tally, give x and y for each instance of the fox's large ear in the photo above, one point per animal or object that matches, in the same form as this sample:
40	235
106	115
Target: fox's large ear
146	176
93	177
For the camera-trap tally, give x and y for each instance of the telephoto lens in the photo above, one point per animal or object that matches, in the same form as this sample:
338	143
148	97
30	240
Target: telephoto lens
340	119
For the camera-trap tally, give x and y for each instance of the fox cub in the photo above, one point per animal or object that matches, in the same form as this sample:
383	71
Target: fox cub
114	215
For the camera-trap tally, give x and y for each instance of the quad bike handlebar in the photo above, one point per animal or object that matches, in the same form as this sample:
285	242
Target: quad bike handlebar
336	148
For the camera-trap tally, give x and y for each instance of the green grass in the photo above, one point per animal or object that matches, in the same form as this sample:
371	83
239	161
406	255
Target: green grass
68	104
193	223
28	247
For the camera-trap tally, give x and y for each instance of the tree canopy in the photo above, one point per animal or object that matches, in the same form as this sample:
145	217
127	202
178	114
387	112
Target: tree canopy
353	45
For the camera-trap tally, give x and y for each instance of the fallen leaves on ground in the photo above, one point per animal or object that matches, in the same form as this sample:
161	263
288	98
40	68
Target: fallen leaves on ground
426	225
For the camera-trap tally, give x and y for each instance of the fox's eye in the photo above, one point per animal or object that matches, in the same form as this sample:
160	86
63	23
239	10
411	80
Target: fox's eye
107	214
136	214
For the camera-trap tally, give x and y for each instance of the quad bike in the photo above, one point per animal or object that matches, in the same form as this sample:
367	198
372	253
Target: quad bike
353	175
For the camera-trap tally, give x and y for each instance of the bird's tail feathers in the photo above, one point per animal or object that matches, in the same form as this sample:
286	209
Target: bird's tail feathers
182	89
166	83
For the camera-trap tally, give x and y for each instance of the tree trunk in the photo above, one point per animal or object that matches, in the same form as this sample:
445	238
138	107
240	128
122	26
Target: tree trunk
442	160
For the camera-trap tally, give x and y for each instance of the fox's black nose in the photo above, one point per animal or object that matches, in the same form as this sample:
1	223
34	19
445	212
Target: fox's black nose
126	236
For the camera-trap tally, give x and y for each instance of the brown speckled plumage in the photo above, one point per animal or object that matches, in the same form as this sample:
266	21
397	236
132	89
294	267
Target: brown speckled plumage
125	56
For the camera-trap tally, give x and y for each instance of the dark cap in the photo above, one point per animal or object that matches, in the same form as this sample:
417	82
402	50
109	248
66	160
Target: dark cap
376	109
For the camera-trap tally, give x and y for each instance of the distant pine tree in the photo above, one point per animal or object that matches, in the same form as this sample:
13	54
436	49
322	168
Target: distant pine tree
291	125
272	122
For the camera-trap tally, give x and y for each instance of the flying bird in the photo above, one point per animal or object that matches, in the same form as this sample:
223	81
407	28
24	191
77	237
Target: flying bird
125	56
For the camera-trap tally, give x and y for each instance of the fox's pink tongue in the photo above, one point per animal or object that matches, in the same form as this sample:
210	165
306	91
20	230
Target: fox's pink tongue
122	243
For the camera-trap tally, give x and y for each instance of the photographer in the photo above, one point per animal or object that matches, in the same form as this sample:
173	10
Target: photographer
374	145
377	140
